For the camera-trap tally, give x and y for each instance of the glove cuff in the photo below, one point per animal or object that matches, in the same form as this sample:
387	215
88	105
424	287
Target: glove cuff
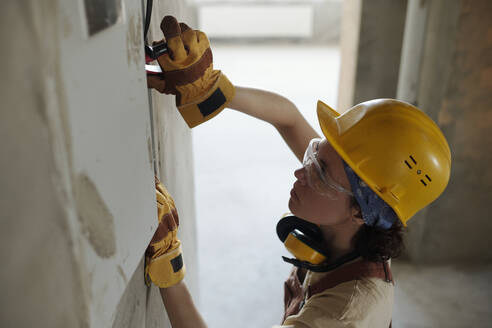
166	270
210	104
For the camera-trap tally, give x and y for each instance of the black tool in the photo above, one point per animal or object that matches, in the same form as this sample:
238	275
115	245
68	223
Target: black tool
152	52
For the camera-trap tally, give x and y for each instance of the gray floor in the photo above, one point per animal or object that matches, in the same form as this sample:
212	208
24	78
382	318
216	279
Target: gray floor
443	296
244	173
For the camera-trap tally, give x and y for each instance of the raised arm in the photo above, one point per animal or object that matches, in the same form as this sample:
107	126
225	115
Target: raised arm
180	307
164	265
202	92
278	111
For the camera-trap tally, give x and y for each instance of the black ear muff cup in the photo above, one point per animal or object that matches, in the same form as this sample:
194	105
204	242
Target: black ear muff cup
307	232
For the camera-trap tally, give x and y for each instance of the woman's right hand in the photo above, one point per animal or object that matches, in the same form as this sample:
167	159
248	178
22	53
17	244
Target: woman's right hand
187	72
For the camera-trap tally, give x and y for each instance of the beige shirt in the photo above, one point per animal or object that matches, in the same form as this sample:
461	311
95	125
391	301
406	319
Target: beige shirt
367	302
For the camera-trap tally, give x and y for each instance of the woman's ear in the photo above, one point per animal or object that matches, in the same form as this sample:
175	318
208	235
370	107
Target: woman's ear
356	213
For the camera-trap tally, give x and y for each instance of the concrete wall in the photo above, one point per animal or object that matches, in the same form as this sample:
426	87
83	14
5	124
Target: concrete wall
455	89
77	198
372	35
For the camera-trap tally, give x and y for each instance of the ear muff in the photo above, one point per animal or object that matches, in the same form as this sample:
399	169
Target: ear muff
302	239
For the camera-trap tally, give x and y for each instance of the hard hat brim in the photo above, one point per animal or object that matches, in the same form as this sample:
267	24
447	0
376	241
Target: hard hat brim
327	121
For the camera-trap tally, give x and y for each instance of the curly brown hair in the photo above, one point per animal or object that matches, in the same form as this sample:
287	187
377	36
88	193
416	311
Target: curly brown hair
376	244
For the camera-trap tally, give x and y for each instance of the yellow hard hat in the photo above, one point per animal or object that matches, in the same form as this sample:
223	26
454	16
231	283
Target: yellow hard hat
399	152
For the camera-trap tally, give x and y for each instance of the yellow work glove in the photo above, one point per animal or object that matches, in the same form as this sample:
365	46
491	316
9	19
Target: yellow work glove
201	92
163	259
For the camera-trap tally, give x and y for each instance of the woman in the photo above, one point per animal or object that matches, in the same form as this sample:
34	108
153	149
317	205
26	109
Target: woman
379	163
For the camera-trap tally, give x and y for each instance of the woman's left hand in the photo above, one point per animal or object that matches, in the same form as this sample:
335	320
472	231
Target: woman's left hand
163	258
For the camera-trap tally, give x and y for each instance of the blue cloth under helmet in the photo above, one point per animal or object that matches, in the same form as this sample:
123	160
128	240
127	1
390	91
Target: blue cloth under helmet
375	211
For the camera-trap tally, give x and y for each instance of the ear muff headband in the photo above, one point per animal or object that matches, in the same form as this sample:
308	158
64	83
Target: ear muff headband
289	223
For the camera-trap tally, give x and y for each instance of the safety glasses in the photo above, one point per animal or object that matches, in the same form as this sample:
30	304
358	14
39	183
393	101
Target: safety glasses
318	177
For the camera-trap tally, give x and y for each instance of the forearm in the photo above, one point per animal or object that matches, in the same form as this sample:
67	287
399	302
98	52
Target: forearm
278	111
266	106
180	308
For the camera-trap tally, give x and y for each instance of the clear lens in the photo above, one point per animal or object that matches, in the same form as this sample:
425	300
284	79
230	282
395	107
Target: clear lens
317	178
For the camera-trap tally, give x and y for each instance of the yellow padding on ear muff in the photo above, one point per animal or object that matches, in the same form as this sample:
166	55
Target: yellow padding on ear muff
302	251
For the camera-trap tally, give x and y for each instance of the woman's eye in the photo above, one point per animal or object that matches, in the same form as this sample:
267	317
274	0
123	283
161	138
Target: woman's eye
323	173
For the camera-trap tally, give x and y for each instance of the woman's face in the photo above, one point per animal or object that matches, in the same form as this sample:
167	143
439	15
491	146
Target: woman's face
317	208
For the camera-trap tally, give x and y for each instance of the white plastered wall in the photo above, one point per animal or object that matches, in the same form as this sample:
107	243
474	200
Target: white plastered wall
76	185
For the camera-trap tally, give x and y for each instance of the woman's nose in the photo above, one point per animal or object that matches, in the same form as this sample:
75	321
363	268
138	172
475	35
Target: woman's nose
300	174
